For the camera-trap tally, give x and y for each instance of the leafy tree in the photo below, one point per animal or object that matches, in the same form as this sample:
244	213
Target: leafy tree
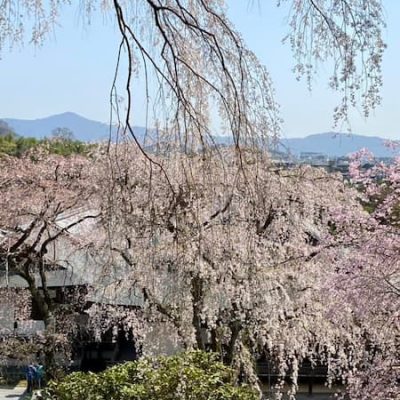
13	144
189	375
23	144
8	143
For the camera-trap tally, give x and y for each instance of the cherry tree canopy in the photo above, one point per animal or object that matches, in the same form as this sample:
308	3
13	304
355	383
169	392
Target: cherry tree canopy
43	199
247	262
366	281
227	261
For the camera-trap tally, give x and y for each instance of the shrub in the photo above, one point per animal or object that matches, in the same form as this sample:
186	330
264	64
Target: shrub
187	376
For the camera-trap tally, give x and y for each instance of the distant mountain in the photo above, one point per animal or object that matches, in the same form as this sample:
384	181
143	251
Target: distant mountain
330	143
4	128
335	144
83	129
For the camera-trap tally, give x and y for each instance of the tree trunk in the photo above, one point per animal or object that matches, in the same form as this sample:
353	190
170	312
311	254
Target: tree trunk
45	307
52	370
197	301
235	328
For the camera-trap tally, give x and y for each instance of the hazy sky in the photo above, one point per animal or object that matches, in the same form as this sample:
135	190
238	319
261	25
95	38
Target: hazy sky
74	69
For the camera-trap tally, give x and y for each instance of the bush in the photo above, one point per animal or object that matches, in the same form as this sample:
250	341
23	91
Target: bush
187	376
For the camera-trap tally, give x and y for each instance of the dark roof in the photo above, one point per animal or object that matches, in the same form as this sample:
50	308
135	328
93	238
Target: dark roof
77	266
59	278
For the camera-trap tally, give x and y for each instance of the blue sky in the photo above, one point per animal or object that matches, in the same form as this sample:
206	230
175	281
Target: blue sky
73	72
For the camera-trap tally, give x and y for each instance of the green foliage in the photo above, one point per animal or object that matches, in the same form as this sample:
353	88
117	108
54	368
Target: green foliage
66	147
14	145
187	376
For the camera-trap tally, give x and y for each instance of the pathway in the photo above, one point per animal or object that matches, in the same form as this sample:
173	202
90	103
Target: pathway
9	393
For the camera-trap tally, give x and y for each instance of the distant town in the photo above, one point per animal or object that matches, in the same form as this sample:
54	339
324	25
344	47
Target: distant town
321	160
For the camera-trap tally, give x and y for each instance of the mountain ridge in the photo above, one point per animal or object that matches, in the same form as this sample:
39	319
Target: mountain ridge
336	144
332	144
84	129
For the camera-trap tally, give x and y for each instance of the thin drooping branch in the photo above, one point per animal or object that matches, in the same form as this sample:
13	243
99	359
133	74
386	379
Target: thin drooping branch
349	33
200	61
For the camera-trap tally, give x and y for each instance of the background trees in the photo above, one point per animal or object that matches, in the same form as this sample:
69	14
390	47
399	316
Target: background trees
62	143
